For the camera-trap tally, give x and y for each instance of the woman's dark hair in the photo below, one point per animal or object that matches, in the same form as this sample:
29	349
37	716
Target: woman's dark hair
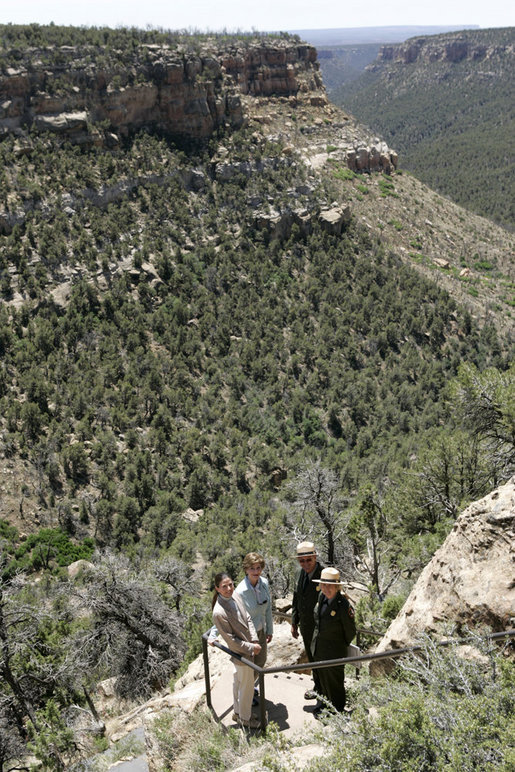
218	580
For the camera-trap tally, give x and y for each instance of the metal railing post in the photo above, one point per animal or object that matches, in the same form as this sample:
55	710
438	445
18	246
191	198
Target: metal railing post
262	711
207	679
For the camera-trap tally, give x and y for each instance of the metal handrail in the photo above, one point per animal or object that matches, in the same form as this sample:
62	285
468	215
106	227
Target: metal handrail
389	654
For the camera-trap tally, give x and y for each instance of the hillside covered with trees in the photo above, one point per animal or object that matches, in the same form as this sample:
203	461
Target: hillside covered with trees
196	363
445	102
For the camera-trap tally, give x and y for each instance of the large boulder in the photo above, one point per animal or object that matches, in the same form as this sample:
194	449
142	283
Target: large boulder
63	122
335	219
469	581
78	567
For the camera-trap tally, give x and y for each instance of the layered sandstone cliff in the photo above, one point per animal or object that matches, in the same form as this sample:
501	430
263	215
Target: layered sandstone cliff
179	91
451	47
469	581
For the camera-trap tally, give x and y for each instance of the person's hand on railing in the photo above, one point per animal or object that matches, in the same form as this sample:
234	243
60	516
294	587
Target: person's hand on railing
295	631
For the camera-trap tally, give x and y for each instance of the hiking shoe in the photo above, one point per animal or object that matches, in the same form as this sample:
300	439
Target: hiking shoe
310	695
252	723
235	717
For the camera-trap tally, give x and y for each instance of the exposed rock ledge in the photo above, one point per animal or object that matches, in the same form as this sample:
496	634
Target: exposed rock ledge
450	47
189	690
470	579
177	91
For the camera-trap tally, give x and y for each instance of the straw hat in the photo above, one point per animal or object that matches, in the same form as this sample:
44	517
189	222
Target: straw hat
305	549
329	576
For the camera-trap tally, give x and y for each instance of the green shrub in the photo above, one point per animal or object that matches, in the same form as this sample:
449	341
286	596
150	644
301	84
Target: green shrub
483	265
196	743
387	187
52	742
391	606
344	174
440	711
48	548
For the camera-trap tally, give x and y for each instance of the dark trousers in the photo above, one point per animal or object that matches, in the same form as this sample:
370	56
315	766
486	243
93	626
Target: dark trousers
332	685
315	673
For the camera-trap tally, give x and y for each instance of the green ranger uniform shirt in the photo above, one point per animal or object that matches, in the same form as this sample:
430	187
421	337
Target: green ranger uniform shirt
334	630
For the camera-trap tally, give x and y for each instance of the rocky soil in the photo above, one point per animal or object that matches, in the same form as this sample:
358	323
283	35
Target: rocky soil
473	259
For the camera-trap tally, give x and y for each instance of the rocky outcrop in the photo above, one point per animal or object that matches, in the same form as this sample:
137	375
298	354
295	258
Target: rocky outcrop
470	580
359	154
279	225
190	179
180	92
372	158
333	220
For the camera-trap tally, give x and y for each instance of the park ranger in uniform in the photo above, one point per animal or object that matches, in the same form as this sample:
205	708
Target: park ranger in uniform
334	630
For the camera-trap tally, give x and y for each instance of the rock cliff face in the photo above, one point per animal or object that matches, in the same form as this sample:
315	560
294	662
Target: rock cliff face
452	47
179	92
470	579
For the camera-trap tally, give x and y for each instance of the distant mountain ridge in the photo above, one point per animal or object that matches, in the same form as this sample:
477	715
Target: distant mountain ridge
366	35
484	45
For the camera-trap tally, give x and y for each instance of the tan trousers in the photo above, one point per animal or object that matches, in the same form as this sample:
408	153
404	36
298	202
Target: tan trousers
243	691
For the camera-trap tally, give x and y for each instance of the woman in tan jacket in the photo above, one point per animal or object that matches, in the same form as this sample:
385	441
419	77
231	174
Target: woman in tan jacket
235	626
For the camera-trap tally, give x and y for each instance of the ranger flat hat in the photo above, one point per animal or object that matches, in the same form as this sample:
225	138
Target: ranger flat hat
329	576
305	549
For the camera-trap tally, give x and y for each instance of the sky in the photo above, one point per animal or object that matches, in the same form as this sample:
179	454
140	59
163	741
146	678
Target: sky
262	15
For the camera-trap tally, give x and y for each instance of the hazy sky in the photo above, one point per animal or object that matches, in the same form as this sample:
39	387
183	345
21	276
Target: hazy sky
259	14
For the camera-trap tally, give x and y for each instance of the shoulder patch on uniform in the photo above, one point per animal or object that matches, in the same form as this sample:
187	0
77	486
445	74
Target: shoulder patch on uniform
351	612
